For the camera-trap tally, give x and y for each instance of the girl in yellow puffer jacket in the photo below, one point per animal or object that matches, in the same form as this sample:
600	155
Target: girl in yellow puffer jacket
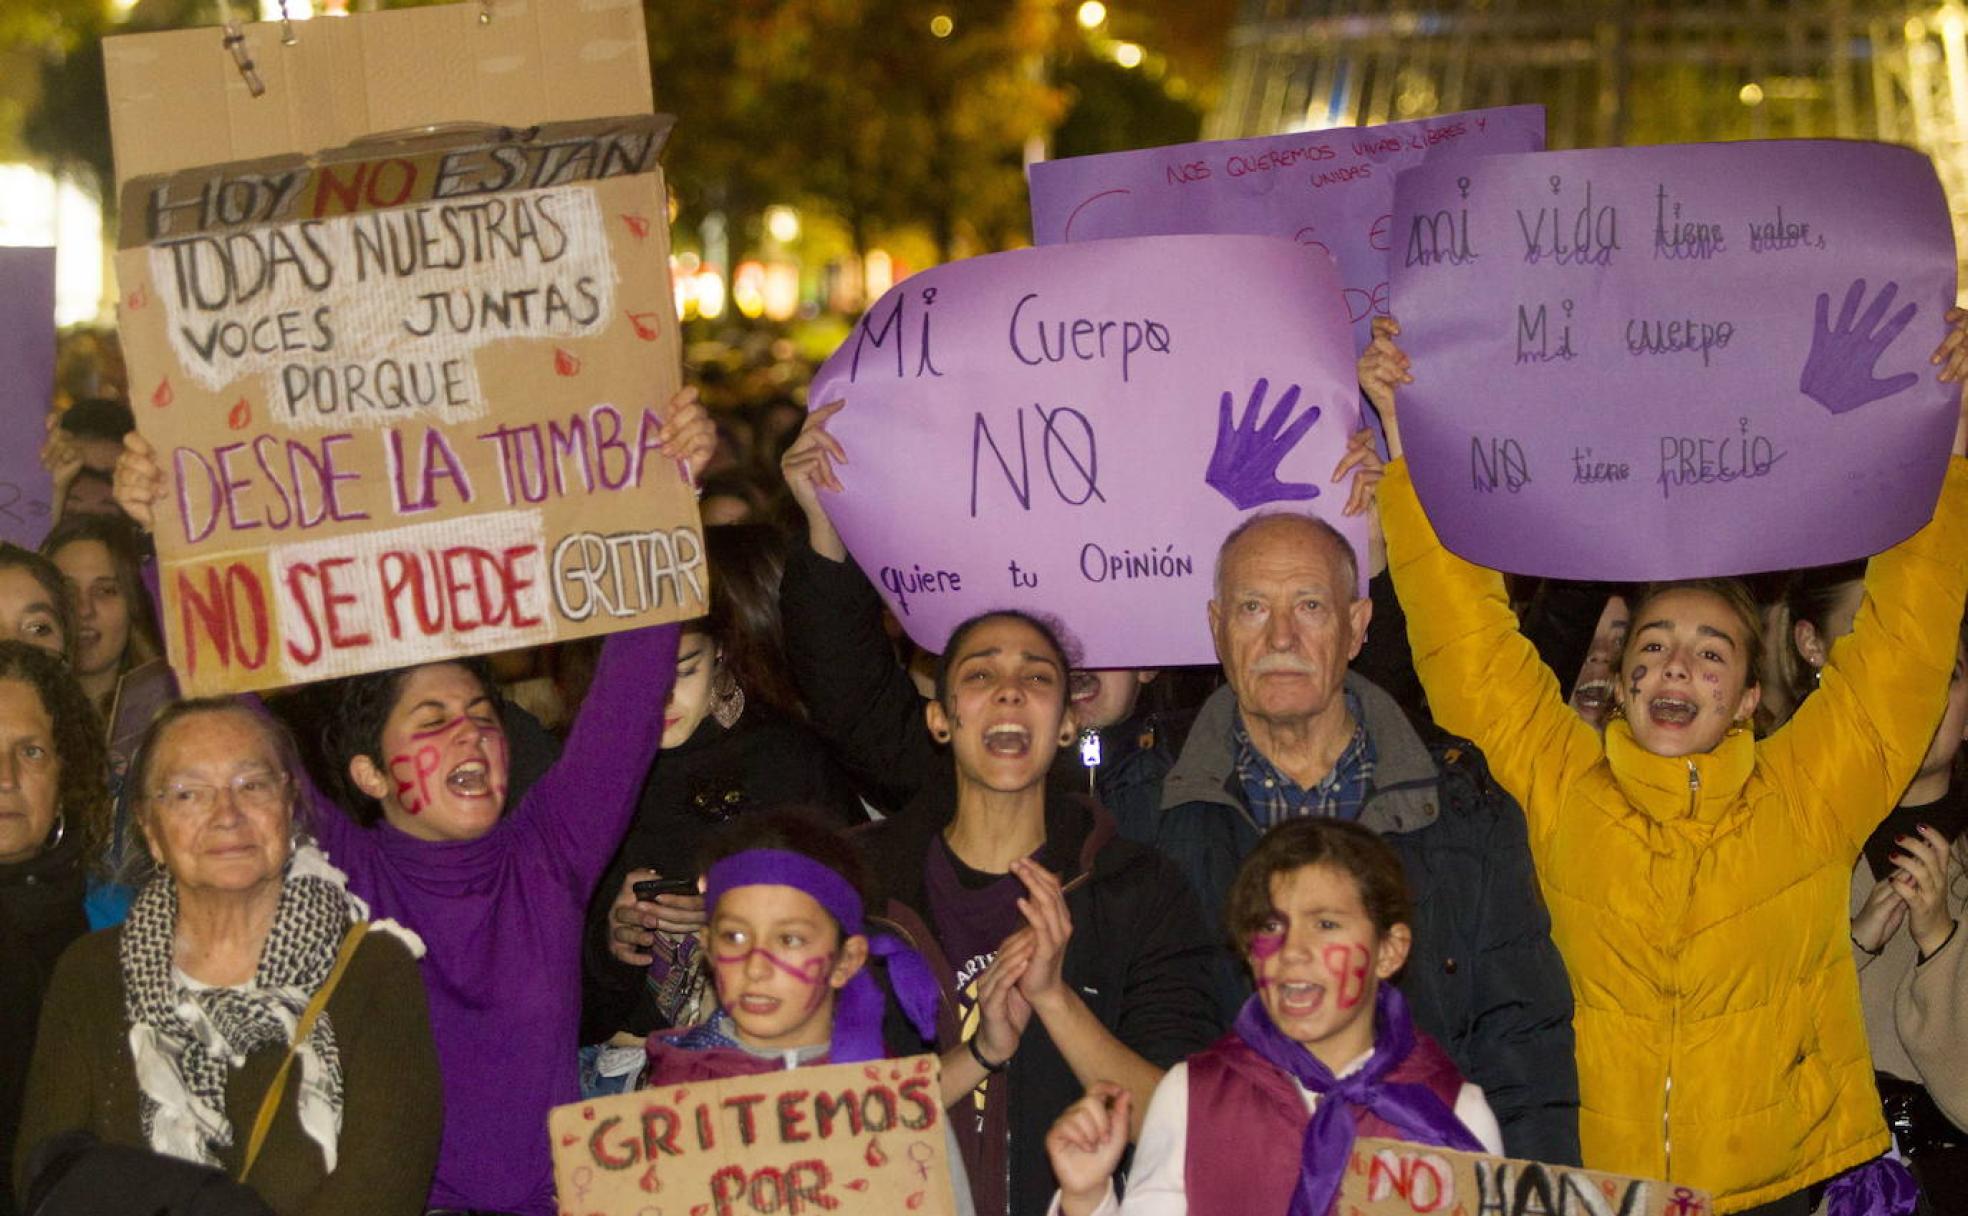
1697	876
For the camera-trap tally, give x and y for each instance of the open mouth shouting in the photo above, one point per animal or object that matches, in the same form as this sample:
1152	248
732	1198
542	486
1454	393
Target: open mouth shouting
472	779
1008	740
1672	710
1593	696
1299	999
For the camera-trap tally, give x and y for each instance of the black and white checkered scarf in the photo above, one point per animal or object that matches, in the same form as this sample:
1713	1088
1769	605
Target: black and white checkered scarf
184	1039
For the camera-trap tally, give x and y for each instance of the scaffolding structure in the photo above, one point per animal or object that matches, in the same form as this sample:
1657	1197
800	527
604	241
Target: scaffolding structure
1615	72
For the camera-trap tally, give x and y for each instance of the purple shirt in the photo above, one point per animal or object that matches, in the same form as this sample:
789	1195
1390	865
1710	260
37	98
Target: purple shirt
502	917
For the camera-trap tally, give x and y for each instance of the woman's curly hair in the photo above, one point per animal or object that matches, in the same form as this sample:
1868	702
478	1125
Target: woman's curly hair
82	791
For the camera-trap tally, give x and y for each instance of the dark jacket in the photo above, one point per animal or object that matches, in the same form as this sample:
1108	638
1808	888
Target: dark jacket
761	762
1139	957
40	914
868	710
1483	978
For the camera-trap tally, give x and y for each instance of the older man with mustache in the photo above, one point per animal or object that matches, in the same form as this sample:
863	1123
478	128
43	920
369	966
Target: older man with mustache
1293	734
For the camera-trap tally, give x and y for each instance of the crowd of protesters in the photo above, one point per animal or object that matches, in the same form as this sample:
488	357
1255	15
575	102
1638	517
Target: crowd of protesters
1662	880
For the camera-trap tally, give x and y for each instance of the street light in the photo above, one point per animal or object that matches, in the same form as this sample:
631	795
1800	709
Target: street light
1092	14
941	25
782	224
1127	54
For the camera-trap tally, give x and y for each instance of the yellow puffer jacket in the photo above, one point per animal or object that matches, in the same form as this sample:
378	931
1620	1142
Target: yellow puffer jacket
1700	903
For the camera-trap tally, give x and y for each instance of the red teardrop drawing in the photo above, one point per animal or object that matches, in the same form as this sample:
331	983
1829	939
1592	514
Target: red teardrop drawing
567	1141
164	394
639	225
895	1074
587	1112
700	1209
915	1201
872	1072
645	325
650	1182
859	1184
677	1097
566	364
875	1157
136	299
239	415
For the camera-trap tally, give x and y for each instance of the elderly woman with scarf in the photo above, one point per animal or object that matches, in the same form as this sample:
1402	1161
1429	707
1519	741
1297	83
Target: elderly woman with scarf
172	1032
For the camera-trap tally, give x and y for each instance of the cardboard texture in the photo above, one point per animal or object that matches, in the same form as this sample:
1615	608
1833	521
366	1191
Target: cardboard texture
1396	1178
406	399
27	385
851	1139
178	101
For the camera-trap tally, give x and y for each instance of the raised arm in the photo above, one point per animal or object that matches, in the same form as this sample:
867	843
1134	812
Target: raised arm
1851	748
863	704
1483	677
581	807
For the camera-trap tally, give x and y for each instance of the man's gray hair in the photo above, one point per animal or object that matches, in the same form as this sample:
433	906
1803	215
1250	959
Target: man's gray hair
1349	560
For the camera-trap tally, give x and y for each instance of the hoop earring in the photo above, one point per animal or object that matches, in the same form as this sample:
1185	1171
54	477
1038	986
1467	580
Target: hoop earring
727	702
61	830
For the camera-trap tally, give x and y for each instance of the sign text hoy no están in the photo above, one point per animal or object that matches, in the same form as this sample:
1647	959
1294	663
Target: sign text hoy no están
407	400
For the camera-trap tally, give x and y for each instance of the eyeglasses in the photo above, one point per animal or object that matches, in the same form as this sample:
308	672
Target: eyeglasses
250	791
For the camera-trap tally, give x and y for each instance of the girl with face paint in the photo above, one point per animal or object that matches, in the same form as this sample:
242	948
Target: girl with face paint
1697	876
790	950
735	741
497	893
1264	1120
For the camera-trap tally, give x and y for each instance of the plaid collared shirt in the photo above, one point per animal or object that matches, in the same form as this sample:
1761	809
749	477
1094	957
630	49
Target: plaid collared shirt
1274	797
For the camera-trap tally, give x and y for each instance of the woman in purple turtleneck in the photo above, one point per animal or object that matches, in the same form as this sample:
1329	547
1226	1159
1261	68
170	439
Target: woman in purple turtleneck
498	898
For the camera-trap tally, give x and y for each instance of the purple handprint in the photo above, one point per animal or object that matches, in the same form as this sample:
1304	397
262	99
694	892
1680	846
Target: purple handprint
1838	371
1244	466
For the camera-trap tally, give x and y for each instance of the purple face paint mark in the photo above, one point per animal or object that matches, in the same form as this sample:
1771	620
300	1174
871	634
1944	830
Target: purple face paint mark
1264	945
1244	466
809	973
1838	369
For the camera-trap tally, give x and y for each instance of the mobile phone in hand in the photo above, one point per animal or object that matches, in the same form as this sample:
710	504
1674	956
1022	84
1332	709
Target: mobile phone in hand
649	888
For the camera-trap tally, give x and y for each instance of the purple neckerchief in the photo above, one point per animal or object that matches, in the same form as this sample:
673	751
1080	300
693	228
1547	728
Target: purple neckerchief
858	1010
1880	1187
1413	1109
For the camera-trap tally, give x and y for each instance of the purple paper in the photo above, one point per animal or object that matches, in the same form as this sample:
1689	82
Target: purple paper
1331	190
1075	430
27	385
1674	362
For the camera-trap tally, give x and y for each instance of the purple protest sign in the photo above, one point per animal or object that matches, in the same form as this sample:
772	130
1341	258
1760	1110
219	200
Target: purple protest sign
27	385
1074	431
1332	190
1674	362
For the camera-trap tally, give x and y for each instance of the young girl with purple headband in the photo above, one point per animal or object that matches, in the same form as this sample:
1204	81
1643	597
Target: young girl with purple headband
789	948
1264	1120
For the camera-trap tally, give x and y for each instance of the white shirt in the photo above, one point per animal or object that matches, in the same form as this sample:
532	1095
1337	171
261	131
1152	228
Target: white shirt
1156	1186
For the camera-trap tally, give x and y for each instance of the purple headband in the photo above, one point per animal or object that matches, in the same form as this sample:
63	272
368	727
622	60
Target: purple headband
858	1011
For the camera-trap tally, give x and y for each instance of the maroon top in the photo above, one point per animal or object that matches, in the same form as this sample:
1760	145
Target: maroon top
1247	1124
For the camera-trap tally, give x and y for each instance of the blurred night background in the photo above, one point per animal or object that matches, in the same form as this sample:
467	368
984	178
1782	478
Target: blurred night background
827	148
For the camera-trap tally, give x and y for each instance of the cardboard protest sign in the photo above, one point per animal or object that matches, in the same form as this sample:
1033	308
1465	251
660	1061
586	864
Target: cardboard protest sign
1672	362
27	385
853	1139
1331	190
1397	1178
178	100
406	397
1074	430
